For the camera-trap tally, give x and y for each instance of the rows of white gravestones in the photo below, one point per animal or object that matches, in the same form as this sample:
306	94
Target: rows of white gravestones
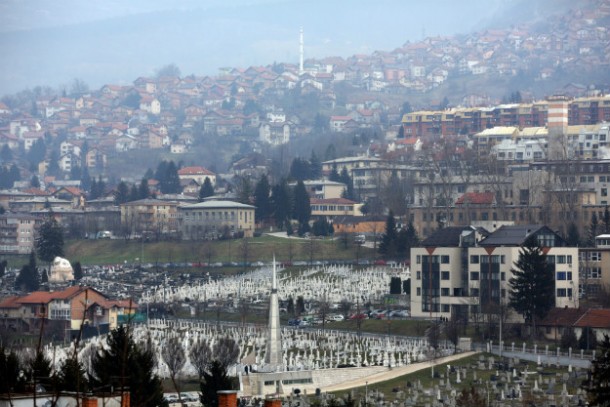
302	349
499	383
332	283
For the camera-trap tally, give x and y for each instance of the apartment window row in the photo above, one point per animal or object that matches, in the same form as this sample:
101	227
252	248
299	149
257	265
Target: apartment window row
564	292
213	215
590	256
444	259
475	276
559	259
593	273
564	275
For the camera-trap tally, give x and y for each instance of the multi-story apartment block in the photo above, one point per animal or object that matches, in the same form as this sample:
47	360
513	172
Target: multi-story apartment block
595	267
17	233
581	111
149	216
461	270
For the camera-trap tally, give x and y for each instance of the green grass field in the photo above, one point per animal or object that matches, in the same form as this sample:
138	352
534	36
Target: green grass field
241	250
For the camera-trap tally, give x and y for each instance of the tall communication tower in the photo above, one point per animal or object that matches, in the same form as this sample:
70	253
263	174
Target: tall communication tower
301	52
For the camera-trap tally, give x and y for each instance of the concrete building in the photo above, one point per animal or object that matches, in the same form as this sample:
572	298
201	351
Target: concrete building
462	270
17	233
211	219
152	217
594	267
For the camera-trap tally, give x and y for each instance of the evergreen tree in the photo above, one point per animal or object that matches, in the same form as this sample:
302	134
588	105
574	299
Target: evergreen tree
75	173
39	371
12	381
214	380
588	339
568	339
171	182
134	194
28	278
143	191
3	265
302	207
598	386
262	200
321	227
72	376
573	237
395	285
592	230
299	169
6	154
50	241
532	289
78	271
315	166
14	174
206	189
344	177
34	182
387	247
101	187
281	200
244	190
330	153
606	220
125	364
53	168
334	174
36	153
121	195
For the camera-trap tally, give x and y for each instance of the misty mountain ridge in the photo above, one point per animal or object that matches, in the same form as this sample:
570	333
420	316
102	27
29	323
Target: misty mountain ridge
200	41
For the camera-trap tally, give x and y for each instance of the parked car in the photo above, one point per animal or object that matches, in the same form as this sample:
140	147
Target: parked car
375	313
400	313
359	316
337	317
294	322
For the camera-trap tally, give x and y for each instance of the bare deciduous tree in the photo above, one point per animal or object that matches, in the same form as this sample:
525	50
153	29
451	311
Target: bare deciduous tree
226	351
174	357
200	355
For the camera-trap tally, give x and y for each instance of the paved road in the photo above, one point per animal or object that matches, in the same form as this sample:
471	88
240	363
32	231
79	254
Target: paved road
396	371
552	358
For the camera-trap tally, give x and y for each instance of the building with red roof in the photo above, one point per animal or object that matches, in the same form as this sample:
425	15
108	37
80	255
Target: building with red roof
65	310
196	173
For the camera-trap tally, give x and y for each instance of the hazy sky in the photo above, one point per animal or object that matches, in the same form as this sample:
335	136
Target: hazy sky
44	42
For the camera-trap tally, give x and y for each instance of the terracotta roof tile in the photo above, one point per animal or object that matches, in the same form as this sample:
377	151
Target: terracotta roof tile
595	318
10	302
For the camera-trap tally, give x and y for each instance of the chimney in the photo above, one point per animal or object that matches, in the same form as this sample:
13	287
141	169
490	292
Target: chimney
273	402
227	398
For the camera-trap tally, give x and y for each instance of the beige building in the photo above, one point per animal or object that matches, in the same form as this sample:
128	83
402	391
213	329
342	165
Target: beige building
324	189
149	216
212	219
330	208
17	233
595	267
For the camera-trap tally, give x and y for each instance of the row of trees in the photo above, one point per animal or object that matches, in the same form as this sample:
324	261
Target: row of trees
122	364
398	243
281	203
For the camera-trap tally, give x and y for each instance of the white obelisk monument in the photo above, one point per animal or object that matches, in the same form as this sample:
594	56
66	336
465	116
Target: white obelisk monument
273	355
